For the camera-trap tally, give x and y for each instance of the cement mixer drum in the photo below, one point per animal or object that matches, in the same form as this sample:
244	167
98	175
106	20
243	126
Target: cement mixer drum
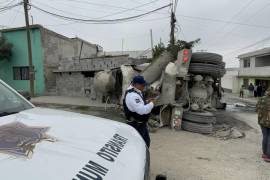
104	82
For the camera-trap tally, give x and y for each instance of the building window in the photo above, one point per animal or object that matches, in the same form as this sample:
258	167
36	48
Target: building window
246	63
262	61
21	73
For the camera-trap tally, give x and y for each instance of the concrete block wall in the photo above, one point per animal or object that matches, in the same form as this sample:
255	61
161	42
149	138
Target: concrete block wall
87	50
57	47
93	64
70	84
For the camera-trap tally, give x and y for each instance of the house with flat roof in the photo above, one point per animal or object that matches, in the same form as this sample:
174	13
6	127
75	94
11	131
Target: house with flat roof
48	48
255	67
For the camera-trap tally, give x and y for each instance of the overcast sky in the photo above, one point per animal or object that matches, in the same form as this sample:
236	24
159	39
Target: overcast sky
228	27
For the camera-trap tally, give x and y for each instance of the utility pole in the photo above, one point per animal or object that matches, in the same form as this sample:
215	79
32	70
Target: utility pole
30	62
151	37
173	21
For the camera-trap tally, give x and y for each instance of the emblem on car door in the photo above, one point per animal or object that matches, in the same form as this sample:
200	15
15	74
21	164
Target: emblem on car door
19	139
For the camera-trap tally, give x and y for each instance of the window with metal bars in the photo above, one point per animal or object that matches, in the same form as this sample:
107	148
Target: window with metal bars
21	73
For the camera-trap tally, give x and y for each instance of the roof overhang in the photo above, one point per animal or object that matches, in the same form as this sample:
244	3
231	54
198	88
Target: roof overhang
258	53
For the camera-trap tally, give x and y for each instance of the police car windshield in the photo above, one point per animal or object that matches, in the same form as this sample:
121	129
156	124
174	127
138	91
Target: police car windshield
10	102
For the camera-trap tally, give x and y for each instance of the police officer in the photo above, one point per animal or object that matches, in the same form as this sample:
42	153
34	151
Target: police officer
137	109
263	109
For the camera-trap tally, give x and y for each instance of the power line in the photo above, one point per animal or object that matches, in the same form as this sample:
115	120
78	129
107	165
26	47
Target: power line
251	45
80	7
248	19
15	16
223	21
131	9
67	12
105	5
8	2
108	15
2	9
137	21
234	17
182	15
95	21
98	4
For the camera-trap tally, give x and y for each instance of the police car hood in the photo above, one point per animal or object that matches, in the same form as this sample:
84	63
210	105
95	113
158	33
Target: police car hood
80	147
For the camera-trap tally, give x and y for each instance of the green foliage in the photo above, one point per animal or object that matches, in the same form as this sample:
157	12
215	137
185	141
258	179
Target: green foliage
158	50
5	49
179	45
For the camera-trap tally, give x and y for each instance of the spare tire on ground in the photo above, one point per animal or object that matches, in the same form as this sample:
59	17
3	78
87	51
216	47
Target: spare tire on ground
205	57
200	117
197	127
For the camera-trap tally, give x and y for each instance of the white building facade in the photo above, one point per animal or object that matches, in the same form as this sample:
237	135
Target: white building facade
255	68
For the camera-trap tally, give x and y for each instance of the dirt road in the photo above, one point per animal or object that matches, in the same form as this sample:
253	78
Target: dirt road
188	156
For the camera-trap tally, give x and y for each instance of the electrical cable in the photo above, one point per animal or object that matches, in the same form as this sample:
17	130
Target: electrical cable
8	2
202	18
108	15
67	12
249	46
13	19
137	21
2	9
223	21
95	21
248	19
131	9
101	5
232	18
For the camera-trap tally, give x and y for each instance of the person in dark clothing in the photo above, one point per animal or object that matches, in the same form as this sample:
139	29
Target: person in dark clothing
251	89
263	89
259	91
255	91
263	109
137	110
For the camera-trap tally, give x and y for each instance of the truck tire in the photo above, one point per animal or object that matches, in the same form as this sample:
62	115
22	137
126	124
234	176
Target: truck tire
208	69
197	127
199	117
205	57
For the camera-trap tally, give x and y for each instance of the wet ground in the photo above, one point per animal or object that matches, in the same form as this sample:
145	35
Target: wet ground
183	155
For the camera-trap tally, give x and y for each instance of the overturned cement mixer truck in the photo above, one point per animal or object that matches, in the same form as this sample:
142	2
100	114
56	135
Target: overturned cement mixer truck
188	88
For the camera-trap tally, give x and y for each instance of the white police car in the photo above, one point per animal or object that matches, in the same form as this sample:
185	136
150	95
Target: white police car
45	144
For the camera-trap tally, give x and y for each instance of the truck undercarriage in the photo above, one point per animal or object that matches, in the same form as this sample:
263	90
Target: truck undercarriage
188	88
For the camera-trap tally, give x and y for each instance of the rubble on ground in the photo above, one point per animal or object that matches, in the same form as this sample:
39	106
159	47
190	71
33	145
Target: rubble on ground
225	132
